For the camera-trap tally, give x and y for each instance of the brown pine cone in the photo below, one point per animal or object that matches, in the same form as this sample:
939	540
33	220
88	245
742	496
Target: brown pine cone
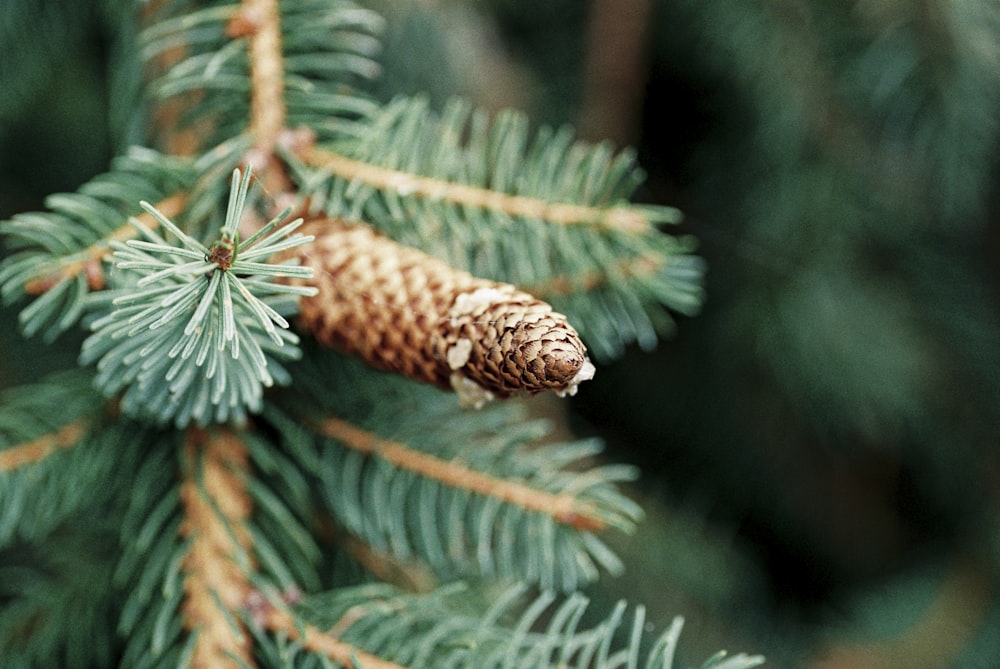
403	310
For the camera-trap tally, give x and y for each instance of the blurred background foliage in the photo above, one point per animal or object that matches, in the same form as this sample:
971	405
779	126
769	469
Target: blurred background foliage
820	445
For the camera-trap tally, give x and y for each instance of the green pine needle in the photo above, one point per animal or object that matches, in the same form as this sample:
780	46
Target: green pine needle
196	337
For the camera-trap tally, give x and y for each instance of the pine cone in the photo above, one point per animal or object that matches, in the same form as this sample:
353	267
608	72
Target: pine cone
400	309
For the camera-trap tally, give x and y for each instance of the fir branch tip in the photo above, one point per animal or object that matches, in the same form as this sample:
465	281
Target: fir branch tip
198	329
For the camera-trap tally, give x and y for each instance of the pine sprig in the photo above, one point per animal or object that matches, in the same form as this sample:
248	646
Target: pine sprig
542	211
497	526
59	511
44	418
199	334
413	479
329	54
43	427
59	256
326	49
439	629
212	520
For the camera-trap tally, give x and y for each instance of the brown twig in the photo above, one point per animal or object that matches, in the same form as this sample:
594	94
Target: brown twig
314	639
564	508
622	218
259	21
406	574
41	447
560	285
88	261
216	507
262	20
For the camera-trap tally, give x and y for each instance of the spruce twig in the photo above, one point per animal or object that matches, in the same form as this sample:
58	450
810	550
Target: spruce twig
90	261
41	447
626	219
563	508
200	322
190	328
281	621
267	108
219	559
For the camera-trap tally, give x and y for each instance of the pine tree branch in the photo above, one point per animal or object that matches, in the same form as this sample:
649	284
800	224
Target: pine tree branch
171	42
193	332
89	260
55	456
314	639
217	507
563	508
474	190
408	184
452	532
56	256
190	313
408	575
267	107
517	629
41	447
638	267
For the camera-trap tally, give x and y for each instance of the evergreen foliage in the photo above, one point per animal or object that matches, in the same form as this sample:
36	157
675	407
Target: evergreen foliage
602	260
237	514
58	254
170	361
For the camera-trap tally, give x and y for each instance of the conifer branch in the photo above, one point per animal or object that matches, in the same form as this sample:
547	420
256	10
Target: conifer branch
563	508
450	530
638	268
89	261
217	507
41	447
191	328
489	196
432	630
57	256
55	456
408	575
267	107
198	334
623	218
314	639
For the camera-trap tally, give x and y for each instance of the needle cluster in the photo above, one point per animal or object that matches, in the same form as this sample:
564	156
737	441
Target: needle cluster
193	322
